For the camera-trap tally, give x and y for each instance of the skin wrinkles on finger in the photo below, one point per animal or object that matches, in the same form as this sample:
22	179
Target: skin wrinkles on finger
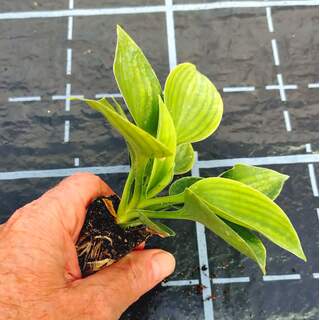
59	210
72	194
129	272
135	272
100	187
77	214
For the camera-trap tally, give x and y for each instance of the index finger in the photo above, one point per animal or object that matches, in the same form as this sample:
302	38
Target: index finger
71	197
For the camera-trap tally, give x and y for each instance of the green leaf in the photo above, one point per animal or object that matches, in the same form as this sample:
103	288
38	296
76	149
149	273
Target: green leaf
140	142
245	206
180	185
238	237
156	227
267	181
194	103
162	169
184	158
137	82
103	101
118	108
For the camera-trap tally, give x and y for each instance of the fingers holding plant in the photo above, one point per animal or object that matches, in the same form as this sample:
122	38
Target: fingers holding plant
40	276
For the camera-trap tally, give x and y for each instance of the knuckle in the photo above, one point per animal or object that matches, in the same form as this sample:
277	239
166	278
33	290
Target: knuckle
86	176
31	206
18	216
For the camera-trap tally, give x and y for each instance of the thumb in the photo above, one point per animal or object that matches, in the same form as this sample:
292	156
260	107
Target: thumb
127	280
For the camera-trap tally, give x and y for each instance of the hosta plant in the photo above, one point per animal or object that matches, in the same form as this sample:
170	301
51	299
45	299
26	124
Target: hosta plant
159	130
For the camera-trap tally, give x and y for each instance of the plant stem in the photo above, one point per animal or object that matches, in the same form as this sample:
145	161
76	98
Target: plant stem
177	214
125	195
133	223
139	168
162	201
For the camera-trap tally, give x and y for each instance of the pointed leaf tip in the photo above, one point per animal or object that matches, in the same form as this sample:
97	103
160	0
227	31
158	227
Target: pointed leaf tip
139	140
245	206
237	236
137	82
267	181
300	254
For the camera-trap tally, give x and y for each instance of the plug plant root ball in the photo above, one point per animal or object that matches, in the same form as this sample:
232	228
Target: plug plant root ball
103	242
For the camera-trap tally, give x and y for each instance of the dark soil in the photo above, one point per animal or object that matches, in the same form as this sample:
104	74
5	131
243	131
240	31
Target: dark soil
103	242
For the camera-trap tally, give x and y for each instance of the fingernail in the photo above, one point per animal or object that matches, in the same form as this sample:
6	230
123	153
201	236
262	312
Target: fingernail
163	264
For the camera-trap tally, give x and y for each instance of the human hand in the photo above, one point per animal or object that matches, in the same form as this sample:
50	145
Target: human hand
39	272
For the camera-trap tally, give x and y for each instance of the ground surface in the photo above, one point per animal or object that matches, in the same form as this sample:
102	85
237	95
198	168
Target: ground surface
243	51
